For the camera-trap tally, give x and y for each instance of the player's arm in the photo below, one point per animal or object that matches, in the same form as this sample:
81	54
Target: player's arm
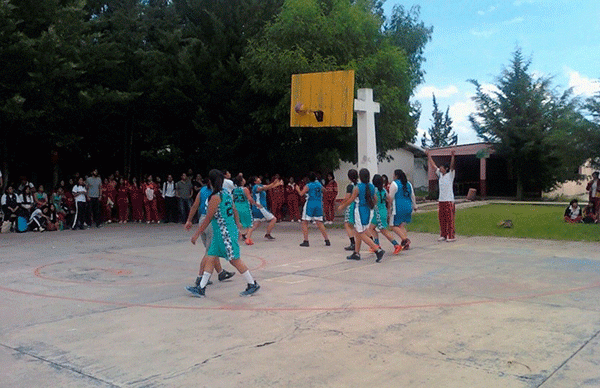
193	210
236	216
213	205
453	153
349	200
303	191
250	199
435	167
413	199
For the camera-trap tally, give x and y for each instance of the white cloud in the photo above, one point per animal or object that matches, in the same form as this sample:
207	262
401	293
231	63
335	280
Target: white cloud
583	85
491	9
483	33
428	91
514	21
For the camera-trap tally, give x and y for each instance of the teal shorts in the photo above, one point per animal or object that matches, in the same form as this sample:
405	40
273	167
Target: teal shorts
226	246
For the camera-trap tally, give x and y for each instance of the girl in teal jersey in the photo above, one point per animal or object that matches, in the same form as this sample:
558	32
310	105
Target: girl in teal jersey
223	217
365	193
380	215
242	200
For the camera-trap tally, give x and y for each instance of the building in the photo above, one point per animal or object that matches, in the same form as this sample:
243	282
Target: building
411	159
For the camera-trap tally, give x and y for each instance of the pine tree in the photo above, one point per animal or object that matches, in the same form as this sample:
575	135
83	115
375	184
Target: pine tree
440	133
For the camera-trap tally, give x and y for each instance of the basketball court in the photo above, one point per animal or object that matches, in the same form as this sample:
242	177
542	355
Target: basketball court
107	308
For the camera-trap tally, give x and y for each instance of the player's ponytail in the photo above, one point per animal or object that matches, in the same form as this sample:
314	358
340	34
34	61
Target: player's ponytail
365	178
216	178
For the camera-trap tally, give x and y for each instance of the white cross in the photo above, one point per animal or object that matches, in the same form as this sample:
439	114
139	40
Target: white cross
367	145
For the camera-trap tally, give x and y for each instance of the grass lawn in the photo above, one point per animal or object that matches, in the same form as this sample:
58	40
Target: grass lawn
529	221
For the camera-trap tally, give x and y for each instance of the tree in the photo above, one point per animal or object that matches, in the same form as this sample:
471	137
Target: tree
592	106
538	132
312	36
440	133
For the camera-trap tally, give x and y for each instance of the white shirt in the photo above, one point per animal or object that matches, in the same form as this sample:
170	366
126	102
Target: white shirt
228	186
169	189
446	183
79	193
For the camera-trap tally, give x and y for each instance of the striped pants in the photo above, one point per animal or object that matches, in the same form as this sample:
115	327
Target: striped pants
446	212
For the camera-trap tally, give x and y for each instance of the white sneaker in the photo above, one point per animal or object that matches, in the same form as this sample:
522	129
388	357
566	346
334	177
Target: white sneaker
451	240
442	239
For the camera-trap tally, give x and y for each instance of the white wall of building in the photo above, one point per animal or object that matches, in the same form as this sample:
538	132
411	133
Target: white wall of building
414	168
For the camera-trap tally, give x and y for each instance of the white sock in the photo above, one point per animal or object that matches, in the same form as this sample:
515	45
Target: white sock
248	277
205	279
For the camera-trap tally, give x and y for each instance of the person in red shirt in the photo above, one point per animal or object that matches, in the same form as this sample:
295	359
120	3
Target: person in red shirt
137	203
122	199
108	200
150	204
292	200
329	196
277	199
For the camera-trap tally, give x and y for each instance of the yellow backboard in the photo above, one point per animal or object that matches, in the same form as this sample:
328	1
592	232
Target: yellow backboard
322	99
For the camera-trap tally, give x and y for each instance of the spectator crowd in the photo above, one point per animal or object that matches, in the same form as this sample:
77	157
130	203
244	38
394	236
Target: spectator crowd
81	202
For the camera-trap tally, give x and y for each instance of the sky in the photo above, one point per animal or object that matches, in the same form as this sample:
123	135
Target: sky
476	40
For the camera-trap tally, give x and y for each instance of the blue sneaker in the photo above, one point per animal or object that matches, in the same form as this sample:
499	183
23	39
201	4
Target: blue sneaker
197	291
379	253
251	289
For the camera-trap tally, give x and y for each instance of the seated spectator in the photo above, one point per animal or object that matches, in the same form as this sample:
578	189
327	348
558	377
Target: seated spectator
53	219
589	214
10	206
38	219
40	197
573	213
26	203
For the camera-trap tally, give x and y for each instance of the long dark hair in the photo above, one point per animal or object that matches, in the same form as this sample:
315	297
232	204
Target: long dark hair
216	178
365	178
401	176
353	175
378	183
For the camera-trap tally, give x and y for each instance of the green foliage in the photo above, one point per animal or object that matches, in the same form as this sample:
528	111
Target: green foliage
540	133
440	133
529	221
311	36
592	106
157	85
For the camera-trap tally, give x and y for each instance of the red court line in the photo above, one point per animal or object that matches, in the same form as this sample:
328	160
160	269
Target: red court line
230	307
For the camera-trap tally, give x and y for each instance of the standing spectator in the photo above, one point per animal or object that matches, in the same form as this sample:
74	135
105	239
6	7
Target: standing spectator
446	208
168	190
40	197
10	206
107	201
183	191
329	196
196	185
94	188
160	199
277	199
136	194
1	181
291	199
25	183
386	183
593	189
80	195
123	200
149	190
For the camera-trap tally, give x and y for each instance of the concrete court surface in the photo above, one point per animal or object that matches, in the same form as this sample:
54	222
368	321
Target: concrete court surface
107	308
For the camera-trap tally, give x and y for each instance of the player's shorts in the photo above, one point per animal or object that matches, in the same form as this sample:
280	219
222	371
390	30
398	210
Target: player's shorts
404	218
362	217
245	215
207	235
379	220
224	245
262	214
312	211
349	214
